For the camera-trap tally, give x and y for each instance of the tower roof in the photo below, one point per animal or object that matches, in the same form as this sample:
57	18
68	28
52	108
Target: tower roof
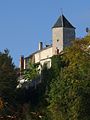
63	22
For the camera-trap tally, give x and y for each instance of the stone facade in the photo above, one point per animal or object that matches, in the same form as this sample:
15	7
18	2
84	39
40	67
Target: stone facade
41	57
57	39
68	36
62	35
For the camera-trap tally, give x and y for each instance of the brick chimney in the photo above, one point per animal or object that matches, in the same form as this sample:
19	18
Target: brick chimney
21	63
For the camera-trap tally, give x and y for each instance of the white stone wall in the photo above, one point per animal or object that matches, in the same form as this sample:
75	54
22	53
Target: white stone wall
44	57
57	37
43	54
62	37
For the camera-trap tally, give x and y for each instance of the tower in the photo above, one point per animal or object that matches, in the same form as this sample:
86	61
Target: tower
62	34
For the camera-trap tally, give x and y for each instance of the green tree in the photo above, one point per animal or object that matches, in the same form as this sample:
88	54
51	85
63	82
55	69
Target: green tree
70	90
8	78
32	72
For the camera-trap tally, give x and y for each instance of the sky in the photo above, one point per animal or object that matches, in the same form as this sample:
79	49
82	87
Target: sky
24	23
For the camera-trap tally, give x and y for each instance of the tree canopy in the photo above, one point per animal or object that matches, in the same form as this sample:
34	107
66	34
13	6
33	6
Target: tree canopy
32	72
8	77
70	90
64	90
64	93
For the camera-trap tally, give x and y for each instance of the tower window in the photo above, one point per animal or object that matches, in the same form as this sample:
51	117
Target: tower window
57	40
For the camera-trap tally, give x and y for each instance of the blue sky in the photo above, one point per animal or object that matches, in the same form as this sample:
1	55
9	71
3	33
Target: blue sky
23	23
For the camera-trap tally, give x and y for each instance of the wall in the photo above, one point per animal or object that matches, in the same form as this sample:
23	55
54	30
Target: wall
68	36
44	56
57	37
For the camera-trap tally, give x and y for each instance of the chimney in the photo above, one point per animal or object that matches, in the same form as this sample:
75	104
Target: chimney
21	63
40	45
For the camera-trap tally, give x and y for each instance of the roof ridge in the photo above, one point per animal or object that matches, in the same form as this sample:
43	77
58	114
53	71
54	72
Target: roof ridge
62	21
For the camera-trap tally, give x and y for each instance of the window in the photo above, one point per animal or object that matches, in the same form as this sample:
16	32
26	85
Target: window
57	40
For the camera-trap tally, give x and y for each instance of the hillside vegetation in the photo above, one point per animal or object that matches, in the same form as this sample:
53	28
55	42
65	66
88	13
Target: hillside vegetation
64	91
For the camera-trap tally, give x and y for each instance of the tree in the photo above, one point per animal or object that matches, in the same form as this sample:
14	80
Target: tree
37	97
70	90
8	78
32	72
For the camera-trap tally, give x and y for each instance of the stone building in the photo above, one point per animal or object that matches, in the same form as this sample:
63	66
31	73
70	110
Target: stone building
63	33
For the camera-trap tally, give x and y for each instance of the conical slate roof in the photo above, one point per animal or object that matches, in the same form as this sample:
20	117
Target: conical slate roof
63	22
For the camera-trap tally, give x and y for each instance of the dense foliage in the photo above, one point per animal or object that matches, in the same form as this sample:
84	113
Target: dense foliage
70	89
8	79
63	91
32	72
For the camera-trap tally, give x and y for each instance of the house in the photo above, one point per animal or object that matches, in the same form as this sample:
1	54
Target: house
63	32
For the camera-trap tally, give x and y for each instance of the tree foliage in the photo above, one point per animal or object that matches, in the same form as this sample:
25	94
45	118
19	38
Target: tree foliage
8	78
70	90
64	90
32	72
64	93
